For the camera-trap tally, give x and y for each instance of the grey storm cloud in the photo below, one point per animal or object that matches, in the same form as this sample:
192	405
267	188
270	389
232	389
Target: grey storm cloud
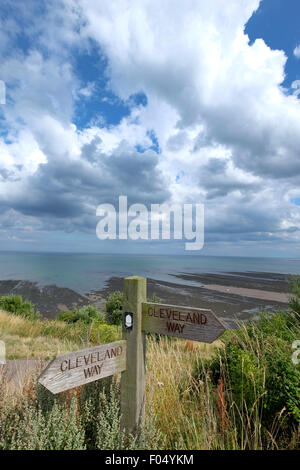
217	183
265	150
227	131
177	141
6	175
64	193
243	220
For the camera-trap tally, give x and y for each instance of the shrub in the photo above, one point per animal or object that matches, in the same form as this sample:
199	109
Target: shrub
259	376
59	429
83	418
113	307
103	333
89	313
154	299
15	304
86	314
67	316
294	302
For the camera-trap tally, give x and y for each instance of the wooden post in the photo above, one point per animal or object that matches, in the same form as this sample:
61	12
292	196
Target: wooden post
133	378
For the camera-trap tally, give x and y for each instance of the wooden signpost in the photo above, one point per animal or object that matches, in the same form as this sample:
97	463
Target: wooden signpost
133	378
196	324
128	355
82	367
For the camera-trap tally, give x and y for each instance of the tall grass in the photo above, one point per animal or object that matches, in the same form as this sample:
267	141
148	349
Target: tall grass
170	386
255	386
27	338
241	392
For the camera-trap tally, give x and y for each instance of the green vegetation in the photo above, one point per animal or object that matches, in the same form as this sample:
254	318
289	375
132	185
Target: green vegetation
103	333
44	339
15	304
259	382
86	314
241	392
294	284
26	338
114	305
84	418
113	308
99	331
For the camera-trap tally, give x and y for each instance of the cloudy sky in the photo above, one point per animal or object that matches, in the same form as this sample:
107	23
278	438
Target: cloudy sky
159	100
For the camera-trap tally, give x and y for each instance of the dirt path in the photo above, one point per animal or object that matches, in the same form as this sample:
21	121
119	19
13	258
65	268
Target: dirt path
17	371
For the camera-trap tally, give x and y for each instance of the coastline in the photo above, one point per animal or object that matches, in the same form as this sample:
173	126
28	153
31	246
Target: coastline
221	298
49	300
232	296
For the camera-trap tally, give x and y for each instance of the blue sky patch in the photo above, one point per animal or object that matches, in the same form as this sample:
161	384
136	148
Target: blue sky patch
277	22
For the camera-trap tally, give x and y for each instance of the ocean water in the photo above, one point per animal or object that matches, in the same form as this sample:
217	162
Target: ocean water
86	272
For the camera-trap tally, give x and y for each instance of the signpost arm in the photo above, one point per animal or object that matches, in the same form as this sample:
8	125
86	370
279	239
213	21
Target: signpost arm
133	378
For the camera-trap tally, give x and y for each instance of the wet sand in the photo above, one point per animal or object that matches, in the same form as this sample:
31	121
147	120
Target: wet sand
49	300
254	280
236	296
254	293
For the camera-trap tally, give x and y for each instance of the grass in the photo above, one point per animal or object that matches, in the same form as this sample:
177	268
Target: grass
170	386
240	392
36	347
28	339
167	397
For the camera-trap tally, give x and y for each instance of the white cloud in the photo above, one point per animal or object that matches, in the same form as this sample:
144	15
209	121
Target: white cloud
88	90
198	62
297	52
203	80
296	87
215	104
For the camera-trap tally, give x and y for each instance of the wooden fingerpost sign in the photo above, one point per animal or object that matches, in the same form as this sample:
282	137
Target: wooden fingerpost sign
82	367
197	324
133	378
128	355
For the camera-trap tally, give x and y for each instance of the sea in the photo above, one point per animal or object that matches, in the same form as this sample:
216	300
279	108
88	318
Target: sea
86	272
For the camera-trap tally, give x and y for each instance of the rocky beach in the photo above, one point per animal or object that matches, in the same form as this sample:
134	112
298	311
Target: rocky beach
232	296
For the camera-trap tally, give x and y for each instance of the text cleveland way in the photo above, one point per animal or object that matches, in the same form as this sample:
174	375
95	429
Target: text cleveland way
90	358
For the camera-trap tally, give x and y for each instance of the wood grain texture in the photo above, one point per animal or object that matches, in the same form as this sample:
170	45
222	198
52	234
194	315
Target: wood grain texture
133	378
81	367
183	322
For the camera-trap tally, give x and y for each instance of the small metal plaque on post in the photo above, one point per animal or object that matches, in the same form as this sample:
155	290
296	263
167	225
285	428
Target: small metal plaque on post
128	320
